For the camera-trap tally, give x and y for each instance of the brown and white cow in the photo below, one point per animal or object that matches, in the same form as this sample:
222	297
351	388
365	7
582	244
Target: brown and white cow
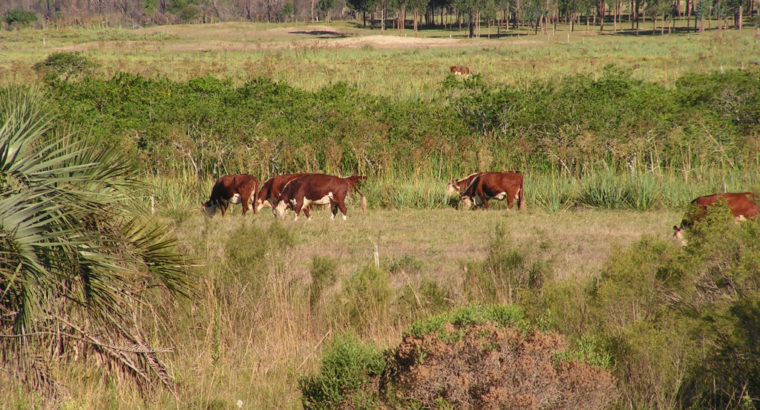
271	189
496	185
460	70
458	186
233	189
742	205
321	189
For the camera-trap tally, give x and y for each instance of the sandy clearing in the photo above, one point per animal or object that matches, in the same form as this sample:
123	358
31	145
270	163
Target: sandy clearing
375	41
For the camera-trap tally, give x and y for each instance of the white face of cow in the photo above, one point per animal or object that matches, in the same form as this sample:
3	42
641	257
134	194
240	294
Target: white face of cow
465	202
235	199
280	209
209	208
452	188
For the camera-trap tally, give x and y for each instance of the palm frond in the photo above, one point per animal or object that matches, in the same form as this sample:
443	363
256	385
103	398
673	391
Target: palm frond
71	269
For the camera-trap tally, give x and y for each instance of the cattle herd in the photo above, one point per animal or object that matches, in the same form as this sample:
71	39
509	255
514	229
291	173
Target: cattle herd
301	192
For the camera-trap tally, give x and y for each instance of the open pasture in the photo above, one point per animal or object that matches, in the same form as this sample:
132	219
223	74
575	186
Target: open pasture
313	56
252	329
268	296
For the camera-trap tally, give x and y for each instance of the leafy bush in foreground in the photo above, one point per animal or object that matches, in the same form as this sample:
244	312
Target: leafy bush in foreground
680	322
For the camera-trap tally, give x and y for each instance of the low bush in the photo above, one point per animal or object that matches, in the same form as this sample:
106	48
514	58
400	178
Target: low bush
20	17
60	66
474	356
347	365
677	321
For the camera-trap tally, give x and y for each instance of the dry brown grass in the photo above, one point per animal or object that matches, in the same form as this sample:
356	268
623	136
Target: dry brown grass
233	342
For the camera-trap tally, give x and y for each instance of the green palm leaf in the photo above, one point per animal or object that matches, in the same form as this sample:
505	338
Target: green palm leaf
76	254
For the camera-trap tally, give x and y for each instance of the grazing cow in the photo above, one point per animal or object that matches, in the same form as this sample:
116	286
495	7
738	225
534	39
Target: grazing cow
233	189
321	189
459	70
742	205
271	189
497	185
458	186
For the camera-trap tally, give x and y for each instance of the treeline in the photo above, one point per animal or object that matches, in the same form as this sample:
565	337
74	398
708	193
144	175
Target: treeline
573	126
392	13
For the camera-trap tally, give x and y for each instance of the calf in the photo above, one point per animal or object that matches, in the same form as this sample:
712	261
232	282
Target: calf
742	205
497	185
301	192
233	189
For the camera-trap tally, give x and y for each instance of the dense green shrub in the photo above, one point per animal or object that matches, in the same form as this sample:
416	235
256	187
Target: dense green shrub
347	365
679	321
63	65
20	17
574	126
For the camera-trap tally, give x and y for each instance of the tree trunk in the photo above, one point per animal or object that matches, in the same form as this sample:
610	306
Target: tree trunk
738	18
517	15
401	18
416	16
470	26
382	16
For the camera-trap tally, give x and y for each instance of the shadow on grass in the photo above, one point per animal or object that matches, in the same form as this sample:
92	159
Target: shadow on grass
321	33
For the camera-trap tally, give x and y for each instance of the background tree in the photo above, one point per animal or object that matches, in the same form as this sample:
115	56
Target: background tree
80	263
362	6
286	11
417	5
325	6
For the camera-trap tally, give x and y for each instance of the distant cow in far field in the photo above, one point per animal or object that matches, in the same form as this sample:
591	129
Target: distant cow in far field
320	189
271	189
233	189
742	205
459	70
496	185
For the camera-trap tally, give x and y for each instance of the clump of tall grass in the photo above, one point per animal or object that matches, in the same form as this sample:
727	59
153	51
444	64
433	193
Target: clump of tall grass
508	270
611	191
365	300
323	275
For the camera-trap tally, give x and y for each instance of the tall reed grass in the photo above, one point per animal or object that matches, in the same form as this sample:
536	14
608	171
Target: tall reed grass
176	196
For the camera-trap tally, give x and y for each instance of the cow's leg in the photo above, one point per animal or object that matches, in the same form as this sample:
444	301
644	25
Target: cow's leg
510	200
484	200
342	207
223	208
297	209
333	210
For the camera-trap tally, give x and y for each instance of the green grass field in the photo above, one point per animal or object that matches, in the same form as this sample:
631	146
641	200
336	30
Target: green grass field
311	56
258	321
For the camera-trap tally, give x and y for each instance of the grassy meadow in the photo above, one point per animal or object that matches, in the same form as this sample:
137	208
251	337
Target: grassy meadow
402	66
269	296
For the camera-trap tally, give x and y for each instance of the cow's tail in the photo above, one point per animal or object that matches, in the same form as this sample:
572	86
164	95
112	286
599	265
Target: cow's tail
354	182
520	196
